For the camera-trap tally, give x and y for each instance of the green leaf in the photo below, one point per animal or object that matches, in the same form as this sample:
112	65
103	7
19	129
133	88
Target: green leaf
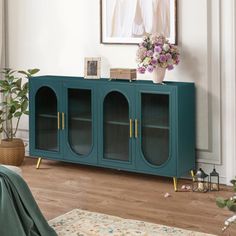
25	86
14	90
17	105
26	112
24	106
21	93
23	72
33	71
18	83
18	114
9	117
24	97
10	71
2	82
233	181
6	93
231	205
7	72
221	202
12	109
11	78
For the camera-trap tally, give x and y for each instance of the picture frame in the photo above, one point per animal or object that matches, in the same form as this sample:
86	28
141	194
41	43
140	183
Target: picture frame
92	67
126	22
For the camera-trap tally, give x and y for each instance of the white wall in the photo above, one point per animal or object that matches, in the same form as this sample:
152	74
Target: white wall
2	34
56	35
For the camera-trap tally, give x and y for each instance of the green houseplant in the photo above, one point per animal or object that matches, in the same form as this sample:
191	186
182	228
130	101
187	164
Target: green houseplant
14	97
230	203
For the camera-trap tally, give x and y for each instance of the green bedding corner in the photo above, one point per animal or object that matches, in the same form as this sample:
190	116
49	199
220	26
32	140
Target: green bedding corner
19	213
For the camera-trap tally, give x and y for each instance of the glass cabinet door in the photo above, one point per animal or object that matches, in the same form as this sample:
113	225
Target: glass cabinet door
46	123
155	128
80	120
116	127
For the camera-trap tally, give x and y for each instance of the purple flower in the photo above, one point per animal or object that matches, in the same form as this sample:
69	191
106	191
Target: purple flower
150	68
149	53
158	49
168	56
154	61
177	60
170	67
141	70
162	58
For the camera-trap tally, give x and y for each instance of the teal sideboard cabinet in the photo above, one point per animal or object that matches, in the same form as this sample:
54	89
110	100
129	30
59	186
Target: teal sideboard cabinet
134	126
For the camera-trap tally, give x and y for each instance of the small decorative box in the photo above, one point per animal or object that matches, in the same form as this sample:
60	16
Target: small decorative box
121	73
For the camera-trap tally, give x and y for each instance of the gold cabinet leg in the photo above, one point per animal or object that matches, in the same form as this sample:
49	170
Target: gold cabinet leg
175	184
38	162
192	174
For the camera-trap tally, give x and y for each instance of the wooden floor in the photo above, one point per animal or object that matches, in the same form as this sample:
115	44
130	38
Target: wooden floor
60	187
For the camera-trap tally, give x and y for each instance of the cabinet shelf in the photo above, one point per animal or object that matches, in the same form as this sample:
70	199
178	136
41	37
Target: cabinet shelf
155	126
157	121
45	115
81	119
111	122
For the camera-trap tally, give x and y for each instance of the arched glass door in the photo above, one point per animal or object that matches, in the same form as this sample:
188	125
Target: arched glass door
80	120
116	127
46	122
155	128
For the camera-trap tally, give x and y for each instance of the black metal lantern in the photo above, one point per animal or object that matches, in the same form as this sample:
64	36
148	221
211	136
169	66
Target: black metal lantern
214	181
200	181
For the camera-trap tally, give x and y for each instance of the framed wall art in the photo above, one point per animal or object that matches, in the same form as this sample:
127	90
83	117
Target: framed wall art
92	67
127	21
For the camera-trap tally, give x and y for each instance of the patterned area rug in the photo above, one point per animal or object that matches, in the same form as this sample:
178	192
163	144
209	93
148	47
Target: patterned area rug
84	223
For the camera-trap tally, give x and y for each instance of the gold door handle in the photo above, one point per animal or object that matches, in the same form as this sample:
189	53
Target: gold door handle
130	128
63	120
58	120
136	128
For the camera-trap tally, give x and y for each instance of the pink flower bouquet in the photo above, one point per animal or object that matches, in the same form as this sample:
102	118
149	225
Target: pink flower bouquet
156	51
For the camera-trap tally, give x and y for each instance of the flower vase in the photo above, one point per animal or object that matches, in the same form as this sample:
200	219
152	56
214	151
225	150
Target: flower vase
158	75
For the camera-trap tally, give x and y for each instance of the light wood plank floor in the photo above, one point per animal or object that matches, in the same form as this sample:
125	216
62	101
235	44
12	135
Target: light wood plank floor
60	187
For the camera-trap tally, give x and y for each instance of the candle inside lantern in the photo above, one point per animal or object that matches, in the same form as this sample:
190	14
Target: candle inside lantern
214	187
200	186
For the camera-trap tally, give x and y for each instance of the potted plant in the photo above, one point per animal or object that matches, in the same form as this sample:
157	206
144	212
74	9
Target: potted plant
14	97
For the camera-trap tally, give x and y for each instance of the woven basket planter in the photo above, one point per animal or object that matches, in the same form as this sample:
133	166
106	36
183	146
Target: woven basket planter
12	152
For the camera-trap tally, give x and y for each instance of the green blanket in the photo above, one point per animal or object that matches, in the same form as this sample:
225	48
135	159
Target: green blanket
19	213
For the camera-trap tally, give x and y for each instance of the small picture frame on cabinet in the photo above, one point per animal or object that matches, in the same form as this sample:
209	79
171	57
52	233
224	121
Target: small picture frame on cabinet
92	67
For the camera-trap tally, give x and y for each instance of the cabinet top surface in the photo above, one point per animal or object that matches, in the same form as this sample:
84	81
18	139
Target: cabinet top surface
107	80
